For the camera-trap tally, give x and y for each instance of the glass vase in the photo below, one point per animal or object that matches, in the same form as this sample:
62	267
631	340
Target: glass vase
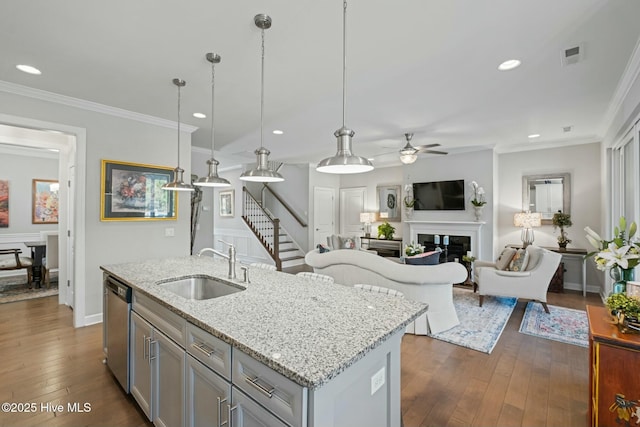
621	276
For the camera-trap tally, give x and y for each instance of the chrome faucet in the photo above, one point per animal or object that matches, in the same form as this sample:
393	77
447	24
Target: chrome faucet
231	257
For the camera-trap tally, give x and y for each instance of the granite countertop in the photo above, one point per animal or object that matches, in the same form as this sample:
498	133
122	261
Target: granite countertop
308	331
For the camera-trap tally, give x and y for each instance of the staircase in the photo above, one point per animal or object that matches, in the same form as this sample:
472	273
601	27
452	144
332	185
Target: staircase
290	255
278	243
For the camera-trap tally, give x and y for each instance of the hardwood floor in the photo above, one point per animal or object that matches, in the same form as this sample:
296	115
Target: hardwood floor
526	381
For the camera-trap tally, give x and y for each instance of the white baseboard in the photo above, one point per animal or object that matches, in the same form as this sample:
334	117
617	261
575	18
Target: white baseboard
93	319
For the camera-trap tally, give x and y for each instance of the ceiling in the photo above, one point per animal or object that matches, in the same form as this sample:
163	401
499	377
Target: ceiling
427	67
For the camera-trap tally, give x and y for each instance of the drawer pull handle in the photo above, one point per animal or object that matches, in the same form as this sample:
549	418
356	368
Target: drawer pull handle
262	389
203	348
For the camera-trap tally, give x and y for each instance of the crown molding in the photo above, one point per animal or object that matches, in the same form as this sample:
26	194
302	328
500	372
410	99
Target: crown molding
630	75
545	145
82	104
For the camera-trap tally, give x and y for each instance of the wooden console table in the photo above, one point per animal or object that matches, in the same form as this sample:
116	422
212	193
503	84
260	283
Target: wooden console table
614	389
384	247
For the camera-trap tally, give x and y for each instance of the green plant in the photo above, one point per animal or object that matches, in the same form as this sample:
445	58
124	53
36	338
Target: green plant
385	229
413	249
629	306
409	202
561	220
466	258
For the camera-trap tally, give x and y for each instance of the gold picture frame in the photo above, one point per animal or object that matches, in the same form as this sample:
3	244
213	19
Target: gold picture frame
44	207
133	192
227	201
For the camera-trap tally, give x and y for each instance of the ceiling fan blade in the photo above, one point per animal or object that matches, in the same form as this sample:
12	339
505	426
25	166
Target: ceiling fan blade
424	147
433	152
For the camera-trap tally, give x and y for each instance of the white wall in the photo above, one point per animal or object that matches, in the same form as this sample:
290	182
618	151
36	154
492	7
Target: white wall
583	163
115	138
20	167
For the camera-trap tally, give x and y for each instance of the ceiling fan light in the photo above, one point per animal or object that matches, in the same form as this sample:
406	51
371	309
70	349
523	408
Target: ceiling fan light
344	162
407	159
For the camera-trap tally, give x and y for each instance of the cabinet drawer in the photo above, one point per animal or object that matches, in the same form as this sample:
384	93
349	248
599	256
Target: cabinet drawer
272	390
210	350
171	324
249	413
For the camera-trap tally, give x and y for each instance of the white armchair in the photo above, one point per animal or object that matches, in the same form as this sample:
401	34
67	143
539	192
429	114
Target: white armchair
532	283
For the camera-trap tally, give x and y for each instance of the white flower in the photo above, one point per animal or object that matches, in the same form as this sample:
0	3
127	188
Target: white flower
618	256
480	191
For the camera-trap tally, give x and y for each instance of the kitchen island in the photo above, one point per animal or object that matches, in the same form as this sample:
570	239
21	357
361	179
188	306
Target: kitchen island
339	346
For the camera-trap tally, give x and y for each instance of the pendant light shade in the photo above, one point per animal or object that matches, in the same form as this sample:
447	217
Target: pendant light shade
344	162
212	179
178	183
262	172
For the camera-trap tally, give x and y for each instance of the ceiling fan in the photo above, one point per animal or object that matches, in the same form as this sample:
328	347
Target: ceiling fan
409	153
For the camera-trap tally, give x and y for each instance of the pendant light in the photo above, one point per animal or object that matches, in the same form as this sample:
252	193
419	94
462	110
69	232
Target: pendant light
344	161
212	179
178	183
262	173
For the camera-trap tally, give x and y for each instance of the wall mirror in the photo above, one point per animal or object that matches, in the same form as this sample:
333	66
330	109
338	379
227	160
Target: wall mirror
389	202
547	194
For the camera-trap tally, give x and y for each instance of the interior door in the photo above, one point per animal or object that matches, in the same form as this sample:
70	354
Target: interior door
323	213
352	203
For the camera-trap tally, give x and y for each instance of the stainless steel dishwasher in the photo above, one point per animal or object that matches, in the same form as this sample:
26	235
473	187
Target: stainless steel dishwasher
118	312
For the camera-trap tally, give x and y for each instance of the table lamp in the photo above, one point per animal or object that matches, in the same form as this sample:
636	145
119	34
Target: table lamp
527	221
367	218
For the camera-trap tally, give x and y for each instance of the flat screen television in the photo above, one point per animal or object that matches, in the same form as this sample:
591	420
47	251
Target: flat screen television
439	195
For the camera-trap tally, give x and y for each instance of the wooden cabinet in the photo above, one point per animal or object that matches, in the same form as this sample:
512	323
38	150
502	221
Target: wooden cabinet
615	365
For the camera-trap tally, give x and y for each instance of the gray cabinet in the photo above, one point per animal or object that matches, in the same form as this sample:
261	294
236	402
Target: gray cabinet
157	373
206	395
140	364
247	413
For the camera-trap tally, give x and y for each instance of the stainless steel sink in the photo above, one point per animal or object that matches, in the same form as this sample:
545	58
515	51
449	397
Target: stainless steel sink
200	288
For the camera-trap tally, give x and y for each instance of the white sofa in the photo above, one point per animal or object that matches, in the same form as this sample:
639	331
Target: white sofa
431	284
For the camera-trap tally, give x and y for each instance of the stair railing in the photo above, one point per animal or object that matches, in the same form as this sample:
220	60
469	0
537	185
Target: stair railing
265	228
284	204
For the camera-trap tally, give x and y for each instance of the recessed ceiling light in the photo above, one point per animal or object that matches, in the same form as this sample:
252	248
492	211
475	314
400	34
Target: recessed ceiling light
534	136
509	65
199	115
29	69
55	150
278	132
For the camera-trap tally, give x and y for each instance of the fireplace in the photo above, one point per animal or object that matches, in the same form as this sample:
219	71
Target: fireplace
419	231
456	247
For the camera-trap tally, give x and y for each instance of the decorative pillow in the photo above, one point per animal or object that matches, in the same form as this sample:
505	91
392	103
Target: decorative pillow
534	258
426	258
348	243
519	260
502	263
322	248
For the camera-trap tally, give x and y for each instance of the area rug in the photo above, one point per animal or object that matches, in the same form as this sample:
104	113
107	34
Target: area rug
480	327
20	292
566	325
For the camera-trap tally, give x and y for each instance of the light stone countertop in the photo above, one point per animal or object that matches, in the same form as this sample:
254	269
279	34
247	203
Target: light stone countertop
307	331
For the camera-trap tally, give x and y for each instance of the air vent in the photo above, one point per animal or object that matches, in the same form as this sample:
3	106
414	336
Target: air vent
566	129
572	55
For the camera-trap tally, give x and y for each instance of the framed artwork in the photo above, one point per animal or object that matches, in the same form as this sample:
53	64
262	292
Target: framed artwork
4	203
133	192
226	202
388	202
44	209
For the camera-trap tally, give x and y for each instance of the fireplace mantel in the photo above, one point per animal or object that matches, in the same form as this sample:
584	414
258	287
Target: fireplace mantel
453	228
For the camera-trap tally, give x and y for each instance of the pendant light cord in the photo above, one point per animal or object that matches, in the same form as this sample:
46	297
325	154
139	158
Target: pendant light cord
262	92
344	64
178	125
213	79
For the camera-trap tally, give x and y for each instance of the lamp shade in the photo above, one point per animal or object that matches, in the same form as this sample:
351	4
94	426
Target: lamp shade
527	219
367	217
